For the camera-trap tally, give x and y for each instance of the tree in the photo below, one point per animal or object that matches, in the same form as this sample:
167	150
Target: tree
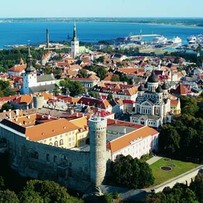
100	59
189	105
46	191
128	172
110	97
56	90
115	78
197	186
94	94
169	139
75	87
83	73
101	71
7	196
6	107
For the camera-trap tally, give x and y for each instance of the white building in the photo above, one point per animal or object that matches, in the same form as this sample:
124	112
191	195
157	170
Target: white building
74	44
152	104
33	83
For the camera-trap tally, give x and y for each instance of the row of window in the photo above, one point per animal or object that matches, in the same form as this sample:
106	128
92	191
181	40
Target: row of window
56	143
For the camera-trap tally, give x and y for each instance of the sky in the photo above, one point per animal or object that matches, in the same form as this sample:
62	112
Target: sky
101	8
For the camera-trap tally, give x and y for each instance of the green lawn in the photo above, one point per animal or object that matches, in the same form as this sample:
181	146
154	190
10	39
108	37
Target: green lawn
178	167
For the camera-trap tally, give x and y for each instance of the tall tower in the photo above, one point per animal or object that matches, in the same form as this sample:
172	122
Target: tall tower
97	133
30	75
47	38
74	43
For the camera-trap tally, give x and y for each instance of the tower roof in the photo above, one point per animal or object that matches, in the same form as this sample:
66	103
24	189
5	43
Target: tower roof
153	78
29	67
141	88
159	89
165	86
74	33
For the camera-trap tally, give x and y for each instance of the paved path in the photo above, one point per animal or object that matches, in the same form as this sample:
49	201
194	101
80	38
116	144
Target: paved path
153	159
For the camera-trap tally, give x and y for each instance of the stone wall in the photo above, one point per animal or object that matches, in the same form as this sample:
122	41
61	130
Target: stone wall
31	159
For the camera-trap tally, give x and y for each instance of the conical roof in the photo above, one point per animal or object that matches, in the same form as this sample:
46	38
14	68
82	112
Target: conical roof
141	88
159	89
29	67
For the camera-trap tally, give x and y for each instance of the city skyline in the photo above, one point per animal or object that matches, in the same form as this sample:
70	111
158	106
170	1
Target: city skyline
101	8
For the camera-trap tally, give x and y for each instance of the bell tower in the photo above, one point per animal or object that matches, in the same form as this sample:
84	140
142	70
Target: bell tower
30	75
74	43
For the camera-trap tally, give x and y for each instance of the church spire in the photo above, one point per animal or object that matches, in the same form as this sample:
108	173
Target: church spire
74	33
29	67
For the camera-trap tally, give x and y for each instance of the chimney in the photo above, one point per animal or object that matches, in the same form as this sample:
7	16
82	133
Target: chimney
124	130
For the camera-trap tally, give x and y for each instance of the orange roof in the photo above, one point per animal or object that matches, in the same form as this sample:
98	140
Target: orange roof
47	96
80	122
125	140
18	68
23	98
49	129
25	121
128	70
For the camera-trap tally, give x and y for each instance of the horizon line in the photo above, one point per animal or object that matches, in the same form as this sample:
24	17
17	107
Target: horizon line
104	17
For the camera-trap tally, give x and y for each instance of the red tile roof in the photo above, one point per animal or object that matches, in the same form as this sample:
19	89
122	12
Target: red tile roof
94	102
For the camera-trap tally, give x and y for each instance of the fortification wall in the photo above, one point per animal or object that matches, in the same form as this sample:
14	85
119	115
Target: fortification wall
32	159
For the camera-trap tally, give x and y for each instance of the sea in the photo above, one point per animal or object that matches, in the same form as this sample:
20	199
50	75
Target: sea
22	33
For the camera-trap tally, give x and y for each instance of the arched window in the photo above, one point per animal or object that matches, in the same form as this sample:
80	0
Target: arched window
50	143
61	142
56	143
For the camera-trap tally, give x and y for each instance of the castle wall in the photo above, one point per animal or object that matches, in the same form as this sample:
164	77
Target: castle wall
31	159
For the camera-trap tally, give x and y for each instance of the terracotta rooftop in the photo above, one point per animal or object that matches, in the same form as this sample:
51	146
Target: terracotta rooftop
23	98
18	68
126	139
49	129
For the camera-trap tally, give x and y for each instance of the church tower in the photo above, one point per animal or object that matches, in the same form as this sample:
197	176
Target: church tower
97	134
74	43
30	75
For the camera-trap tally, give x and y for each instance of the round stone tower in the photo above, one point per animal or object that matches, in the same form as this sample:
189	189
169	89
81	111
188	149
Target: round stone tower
97	134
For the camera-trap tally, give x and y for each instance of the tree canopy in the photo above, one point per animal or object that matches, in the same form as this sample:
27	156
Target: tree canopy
180	193
131	173
183	138
5	89
101	71
46	191
73	87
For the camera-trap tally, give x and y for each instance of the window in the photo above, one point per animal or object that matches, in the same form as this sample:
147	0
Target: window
56	143
61	142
